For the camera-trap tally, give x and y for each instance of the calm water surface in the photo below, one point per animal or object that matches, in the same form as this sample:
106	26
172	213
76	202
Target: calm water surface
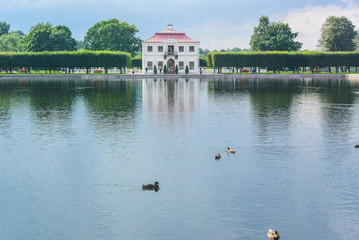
74	154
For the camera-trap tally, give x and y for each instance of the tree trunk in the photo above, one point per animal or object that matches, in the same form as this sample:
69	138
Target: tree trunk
336	69
348	69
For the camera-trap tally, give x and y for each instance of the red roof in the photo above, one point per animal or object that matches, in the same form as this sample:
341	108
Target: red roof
164	35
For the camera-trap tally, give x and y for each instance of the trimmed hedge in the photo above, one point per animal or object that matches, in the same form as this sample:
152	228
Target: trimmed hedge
276	60
137	62
202	62
55	60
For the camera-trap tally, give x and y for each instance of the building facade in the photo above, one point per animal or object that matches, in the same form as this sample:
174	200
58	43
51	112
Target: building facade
170	48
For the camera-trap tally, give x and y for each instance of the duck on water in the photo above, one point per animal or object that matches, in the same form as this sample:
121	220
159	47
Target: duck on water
230	150
155	186
273	235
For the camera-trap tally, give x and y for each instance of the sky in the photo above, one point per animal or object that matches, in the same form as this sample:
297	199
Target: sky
216	24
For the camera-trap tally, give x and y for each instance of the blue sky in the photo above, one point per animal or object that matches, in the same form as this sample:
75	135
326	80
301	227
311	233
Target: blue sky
216	24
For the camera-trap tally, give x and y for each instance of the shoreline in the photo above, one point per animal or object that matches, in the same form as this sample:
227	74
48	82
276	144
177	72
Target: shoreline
177	76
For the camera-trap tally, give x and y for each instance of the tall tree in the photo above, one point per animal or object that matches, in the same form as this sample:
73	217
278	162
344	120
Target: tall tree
356	41
113	35
61	39
273	36
80	45
44	37
337	34
4	28
10	42
38	39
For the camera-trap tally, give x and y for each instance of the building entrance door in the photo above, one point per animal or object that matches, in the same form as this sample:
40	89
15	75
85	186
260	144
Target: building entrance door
171	66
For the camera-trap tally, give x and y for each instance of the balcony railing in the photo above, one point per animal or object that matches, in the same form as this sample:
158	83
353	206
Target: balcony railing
173	53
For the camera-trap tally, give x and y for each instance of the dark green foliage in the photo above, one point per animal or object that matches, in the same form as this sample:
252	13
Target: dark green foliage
187	70
137	62
80	45
53	60
210	60
165	69
43	37
202	62
273	36
176	69
113	35
155	69
277	60
61	39
338	34
4	28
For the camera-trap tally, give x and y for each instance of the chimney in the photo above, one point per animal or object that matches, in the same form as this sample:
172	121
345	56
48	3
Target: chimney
170	27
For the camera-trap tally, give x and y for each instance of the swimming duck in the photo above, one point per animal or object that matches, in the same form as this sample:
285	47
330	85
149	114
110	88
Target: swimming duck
356	146
299	102
155	186
273	235
217	157
230	150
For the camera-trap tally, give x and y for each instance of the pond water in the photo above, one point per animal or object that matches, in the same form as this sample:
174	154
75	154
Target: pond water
75	153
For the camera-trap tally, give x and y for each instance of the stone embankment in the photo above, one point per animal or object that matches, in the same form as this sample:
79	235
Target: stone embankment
179	76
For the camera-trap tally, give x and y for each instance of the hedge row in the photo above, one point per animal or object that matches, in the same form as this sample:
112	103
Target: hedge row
137	62
277	60
55	60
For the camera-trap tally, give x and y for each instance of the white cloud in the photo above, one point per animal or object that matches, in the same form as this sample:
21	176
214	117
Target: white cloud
309	20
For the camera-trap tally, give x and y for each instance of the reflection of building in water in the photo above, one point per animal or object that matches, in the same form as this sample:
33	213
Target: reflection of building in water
170	95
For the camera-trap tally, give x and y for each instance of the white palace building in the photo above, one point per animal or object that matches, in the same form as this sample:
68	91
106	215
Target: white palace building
171	48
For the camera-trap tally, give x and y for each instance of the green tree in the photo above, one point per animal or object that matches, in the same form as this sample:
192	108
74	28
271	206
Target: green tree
113	35
4	28
273	36
18	32
44	37
155	69
337	34
38	39
356	41
61	39
10	42
203	53
80	45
